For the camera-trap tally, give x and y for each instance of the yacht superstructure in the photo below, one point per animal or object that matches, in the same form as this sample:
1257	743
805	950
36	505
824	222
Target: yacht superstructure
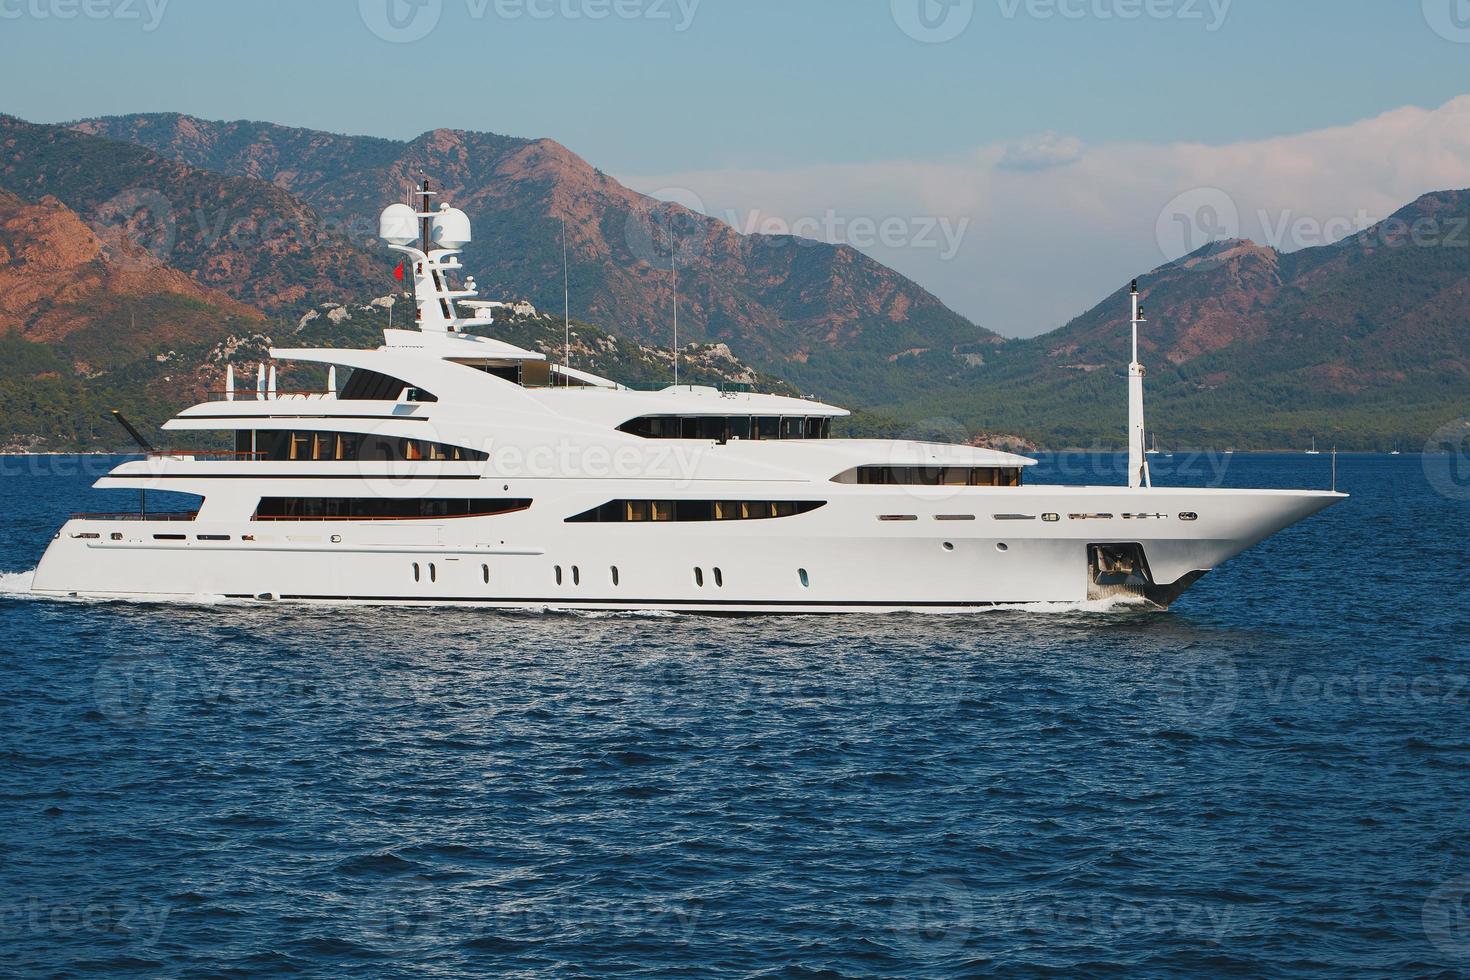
447	467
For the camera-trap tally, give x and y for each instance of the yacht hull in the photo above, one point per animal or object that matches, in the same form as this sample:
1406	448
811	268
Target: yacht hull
862	552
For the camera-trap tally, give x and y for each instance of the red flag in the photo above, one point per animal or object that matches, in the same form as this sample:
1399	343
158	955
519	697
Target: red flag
398	272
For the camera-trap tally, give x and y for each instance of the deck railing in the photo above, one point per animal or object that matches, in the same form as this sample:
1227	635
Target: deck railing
136	516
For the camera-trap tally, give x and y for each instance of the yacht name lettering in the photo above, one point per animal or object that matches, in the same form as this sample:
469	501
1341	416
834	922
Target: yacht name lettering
87	9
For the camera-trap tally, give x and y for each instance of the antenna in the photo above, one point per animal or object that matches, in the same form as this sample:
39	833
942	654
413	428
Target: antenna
1138	470
566	299
673	269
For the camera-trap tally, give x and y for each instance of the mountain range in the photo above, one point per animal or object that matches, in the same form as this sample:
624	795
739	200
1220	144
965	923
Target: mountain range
137	253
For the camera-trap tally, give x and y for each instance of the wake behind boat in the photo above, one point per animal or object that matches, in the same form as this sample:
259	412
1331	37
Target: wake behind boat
450	467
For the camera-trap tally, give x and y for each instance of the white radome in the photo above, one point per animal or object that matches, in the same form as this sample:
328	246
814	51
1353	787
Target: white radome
398	225
451	228
454	468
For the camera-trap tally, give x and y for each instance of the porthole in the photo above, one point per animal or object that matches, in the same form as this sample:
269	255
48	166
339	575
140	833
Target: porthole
485	573
576	575
719	579
433	573
949	546
1002	546
416	573
615	575
558	575
1186	516
806	581
699	577
1051	518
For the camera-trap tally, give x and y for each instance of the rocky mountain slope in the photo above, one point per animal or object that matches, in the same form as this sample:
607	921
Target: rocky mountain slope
773	299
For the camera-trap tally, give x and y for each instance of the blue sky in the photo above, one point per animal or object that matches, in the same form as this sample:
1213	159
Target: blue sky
705	91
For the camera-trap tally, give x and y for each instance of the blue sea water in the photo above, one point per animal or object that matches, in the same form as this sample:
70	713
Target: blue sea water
1270	780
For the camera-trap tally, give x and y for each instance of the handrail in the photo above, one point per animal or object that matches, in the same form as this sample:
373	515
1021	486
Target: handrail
135	516
207	453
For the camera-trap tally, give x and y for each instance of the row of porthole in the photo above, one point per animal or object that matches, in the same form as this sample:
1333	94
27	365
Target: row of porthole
576	575
433	570
719	577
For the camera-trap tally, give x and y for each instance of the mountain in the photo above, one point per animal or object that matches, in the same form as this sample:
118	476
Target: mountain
240	235
1364	342
88	324
1361	344
781	301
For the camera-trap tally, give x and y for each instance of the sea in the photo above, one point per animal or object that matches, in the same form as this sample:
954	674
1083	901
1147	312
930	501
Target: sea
1271	779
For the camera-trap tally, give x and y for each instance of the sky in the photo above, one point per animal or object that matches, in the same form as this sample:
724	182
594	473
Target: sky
1019	158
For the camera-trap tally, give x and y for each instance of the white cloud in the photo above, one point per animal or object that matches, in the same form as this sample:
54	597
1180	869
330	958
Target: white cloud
1050	226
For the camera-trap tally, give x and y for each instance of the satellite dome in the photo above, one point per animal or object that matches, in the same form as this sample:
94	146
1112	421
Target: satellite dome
451	228
399	225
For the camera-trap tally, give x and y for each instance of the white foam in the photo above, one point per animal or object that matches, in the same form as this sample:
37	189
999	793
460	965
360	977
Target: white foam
1112	604
16	583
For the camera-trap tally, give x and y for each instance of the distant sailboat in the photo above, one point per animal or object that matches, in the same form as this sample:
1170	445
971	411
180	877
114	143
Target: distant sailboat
1154	450
1395	453
1313	451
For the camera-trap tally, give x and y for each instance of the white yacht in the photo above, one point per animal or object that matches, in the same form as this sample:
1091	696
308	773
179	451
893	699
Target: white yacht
452	468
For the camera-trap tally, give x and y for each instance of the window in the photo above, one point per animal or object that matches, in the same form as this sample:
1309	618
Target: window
416	571
485	573
719	579
314	446
699	577
932	476
558	575
380	508
693	511
433	573
370	386
806	581
576	575
615	575
721	428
